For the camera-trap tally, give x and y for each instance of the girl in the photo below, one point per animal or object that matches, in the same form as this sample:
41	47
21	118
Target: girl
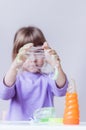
31	89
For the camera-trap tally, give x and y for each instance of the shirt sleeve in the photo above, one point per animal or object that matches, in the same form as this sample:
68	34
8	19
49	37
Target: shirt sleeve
56	90
5	91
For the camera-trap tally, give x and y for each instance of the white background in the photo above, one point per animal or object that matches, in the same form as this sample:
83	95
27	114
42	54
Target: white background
64	25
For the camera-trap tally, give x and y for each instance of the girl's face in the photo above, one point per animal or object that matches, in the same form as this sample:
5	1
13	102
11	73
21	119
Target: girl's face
35	61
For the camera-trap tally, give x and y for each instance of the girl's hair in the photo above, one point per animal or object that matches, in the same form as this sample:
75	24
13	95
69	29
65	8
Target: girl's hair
27	35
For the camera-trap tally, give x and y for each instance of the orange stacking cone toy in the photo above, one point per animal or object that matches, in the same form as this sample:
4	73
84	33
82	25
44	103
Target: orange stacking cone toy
71	112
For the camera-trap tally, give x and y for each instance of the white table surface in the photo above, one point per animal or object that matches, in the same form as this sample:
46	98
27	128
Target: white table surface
27	126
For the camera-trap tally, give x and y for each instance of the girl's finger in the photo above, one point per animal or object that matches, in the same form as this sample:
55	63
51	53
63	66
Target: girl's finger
26	47
45	45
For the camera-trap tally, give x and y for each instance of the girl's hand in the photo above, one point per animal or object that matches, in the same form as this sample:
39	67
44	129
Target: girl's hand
21	56
51	56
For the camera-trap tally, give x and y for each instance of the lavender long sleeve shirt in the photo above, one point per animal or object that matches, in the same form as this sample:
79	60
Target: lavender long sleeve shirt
28	93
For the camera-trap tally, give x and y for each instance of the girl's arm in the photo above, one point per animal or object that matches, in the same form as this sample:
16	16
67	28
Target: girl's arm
53	59
61	77
10	76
